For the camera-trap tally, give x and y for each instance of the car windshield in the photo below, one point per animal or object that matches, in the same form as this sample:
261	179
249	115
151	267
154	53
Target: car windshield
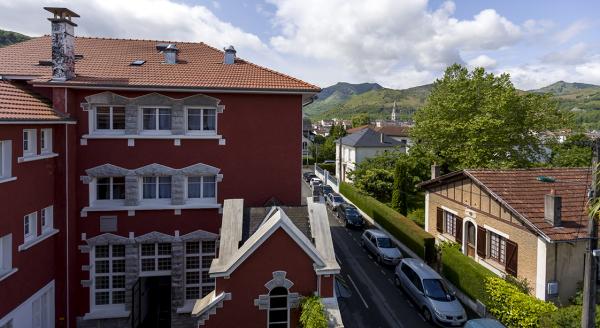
384	243
337	199
351	212
436	289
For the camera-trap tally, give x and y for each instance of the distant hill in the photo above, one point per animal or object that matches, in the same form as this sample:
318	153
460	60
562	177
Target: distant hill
562	88
337	94
9	37
376	102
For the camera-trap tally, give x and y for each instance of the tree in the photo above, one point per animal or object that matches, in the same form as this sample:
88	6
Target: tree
478	120
574	152
360	119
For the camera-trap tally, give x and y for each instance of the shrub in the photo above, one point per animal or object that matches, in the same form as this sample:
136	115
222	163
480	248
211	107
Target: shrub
328	166
395	223
464	272
313	313
308	160
418	216
512	307
566	317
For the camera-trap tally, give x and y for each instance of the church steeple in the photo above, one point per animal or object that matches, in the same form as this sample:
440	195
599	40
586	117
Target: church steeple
394	112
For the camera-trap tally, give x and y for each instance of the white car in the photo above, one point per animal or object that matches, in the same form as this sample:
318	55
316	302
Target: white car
334	200
315	182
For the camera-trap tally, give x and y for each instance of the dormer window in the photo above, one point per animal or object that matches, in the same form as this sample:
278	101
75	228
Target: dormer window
156	119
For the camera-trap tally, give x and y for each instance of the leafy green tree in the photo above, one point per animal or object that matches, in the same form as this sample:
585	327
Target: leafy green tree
478	120
313	313
360	119
574	152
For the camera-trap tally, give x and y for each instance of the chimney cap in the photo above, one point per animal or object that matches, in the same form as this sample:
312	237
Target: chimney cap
230	48
61	12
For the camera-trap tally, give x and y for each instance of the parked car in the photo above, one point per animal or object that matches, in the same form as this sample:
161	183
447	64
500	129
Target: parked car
308	175
381	246
429	291
334	200
350	215
327	189
483	323
315	182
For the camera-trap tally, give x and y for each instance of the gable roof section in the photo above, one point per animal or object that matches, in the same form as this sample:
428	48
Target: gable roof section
522	193
368	138
18	104
231	256
107	62
394	130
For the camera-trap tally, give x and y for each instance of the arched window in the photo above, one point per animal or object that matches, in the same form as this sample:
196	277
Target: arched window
279	313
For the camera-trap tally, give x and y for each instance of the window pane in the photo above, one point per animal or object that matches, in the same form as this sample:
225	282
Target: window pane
102	298
102	118
192	277
278	302
118	250
194	118
25	140
192	247
149	187
148	249
164	187
118	266
164	264
206	289
206	278
103	188
209	120
118	188
192	262
118	297
209	187
164	249
194	187
118	282
208	246
102	282
149	119
118	118
192	293
207	261
164	119
148	265
102	266
101	251
278	315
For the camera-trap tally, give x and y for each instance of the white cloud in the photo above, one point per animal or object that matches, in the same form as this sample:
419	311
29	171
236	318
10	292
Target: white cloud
482	61
572	31
144	19
576	54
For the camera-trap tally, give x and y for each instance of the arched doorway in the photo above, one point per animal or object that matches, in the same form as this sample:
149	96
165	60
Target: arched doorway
470	240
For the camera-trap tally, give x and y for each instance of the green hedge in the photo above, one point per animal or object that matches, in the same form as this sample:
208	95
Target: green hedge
514	308
405	230
329	167
466	274
308	160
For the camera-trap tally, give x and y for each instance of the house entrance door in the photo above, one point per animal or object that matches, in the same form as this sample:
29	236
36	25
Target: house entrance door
470	240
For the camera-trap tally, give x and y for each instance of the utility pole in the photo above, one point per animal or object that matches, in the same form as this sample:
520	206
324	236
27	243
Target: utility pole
588	315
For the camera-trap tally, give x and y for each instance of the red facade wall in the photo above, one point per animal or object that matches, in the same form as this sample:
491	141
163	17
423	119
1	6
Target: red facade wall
248	281
32	191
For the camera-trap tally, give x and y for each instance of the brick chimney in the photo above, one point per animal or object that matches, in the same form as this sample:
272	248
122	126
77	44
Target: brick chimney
552	208
63	43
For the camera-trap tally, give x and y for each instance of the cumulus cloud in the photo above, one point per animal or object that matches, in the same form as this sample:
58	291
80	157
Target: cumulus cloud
144	19
482	61
572	30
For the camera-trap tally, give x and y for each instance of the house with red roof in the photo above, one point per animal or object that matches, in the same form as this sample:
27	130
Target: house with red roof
528	223
117	159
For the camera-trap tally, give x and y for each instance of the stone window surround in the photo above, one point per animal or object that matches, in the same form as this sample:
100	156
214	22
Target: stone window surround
279	280
133	187
133	115
132	262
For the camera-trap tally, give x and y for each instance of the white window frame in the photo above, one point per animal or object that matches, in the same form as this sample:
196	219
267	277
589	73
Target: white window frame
46	141
201	131
156	257
30	221
201	199
157	198
109	274
201	270
31	149
448	216
111	190
5	254
5	160
156	131
501	256
47	219
111	129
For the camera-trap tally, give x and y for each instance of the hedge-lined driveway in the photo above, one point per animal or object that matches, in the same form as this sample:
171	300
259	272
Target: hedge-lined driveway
366	293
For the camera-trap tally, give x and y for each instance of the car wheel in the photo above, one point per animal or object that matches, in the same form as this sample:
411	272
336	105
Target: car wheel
426	314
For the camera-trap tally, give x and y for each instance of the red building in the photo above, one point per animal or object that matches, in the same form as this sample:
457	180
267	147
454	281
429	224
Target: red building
129	149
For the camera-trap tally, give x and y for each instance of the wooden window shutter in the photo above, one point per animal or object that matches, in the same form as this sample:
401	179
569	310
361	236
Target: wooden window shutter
511	257
440	220
459	230
481	242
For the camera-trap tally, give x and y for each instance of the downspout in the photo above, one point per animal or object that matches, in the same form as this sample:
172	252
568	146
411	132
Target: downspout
67	211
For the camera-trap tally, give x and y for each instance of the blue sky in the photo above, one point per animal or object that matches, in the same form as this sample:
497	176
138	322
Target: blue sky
397	43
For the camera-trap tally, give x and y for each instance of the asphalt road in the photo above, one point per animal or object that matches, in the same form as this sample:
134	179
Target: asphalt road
366	293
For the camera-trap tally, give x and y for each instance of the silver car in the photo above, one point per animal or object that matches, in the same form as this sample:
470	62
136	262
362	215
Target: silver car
381	246
430	293
334	200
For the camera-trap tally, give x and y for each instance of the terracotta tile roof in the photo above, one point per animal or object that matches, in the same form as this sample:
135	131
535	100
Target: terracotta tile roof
359	128
522	190
394	130
18	103
107	62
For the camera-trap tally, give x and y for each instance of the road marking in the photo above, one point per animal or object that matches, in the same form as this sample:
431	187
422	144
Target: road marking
338	260
358	291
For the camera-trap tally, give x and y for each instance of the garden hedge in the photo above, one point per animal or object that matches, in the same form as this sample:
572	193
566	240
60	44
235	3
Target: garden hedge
466	274
328	166
404	229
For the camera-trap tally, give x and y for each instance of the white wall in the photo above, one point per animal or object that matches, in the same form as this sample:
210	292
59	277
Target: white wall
23	315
